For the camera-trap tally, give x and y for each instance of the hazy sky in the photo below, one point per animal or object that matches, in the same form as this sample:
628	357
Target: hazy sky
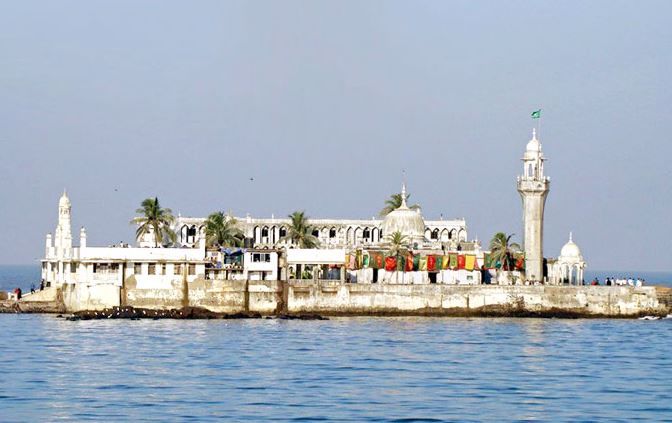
325	102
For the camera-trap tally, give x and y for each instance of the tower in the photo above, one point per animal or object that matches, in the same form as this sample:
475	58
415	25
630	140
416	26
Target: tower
533	188
63	234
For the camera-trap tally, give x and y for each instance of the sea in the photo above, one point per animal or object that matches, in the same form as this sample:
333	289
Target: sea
344	369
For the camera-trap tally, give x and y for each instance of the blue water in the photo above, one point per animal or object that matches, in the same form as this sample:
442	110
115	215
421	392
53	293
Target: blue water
347	369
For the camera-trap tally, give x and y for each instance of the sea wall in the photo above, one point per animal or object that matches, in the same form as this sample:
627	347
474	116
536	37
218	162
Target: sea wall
335	298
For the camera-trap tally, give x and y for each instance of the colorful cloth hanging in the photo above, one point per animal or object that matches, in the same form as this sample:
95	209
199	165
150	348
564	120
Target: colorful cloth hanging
439	262
461	261
358	263
469	262
347	262
409	262
390	264
416	263
377	261
401	263
445	265
431	263
423	263
453	261
520	262
366	260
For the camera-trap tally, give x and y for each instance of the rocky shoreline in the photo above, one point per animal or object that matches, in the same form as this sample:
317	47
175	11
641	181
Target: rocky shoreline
187	313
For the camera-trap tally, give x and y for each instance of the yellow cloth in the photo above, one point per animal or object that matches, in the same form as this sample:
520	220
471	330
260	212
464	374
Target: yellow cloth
469	262
423	263
445	263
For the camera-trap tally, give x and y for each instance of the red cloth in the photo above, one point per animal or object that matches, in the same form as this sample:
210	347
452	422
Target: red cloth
390	264
409	262
431	263
461	261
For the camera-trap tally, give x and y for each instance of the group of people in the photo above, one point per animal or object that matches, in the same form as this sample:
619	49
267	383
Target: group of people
620	281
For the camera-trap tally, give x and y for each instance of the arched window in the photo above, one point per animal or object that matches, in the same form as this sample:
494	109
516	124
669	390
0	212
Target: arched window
264	232
316	233
283	231
435	234
366	234
530	170
332	233
191	234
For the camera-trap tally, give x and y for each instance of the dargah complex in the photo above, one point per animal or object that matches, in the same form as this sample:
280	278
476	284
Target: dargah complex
400	264
350	251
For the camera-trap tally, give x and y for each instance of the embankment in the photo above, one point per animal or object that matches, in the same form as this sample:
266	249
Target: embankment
335	298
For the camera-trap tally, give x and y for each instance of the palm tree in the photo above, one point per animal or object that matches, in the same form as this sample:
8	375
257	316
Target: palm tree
397	246
221	229
397	243
501	250
154	219
299	231
393	203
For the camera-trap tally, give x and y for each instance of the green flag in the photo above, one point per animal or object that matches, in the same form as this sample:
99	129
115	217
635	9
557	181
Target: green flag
536	114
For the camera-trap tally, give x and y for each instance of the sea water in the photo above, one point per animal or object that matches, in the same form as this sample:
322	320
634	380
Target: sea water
344	369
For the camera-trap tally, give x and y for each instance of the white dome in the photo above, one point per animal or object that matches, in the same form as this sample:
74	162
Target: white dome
404	220
571	250
64	201
534	146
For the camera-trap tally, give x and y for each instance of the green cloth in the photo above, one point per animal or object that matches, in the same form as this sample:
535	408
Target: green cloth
439	262
416	263
366	260
536	114
453	261
401	263
487	261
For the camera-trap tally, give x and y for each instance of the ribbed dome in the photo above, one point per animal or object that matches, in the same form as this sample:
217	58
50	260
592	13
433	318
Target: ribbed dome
534	146
571	250
64	201
404	220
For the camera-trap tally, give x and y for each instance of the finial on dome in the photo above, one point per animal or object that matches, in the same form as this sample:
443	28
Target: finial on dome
534	133
570	237
403	194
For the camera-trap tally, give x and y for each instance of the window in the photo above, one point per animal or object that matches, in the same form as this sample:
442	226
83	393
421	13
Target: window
163	268
264	232
177	270
435	234
261	257
137	268
332	233
152	268
95	267
73	267
283	232
192	269
366	234
315	233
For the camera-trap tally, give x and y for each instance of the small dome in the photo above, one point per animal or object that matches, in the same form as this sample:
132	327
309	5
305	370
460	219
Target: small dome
571	250
64	201
404	220
534	146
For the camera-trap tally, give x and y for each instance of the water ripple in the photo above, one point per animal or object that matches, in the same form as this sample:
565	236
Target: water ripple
346	369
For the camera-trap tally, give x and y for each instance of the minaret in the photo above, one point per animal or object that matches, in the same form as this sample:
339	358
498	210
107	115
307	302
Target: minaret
63	234
533	187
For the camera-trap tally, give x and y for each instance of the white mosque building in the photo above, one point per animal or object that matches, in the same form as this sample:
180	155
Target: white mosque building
438	251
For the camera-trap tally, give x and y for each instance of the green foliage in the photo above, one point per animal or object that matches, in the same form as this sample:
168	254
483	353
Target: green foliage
502	249
393	203
398	244
155	219
300	232
222	230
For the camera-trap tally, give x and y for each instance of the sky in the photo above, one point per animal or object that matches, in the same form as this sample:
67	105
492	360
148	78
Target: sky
325	103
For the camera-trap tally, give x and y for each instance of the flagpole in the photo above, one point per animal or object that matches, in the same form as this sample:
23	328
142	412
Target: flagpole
539	125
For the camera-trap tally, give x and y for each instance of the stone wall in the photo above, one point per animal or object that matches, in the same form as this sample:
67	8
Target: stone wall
77	297
335	298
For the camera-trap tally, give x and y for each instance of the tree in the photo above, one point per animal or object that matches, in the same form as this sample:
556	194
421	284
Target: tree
502	250
221	229
299	231
397	246
393	203
397	243
154	219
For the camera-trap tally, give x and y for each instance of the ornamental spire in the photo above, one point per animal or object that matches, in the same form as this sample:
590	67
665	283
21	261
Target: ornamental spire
403	196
